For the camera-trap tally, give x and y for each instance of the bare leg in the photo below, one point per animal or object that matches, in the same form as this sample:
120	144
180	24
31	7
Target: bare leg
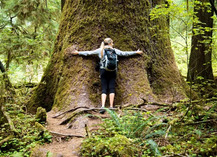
111	99
103	99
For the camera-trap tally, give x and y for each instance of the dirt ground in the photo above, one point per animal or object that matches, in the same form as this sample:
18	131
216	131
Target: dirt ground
67	139
63	145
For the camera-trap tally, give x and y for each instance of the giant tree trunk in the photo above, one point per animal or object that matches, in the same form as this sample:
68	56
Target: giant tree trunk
62	4
72	81
200	63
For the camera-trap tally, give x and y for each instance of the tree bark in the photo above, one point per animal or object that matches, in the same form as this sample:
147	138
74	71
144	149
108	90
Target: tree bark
200	63
213	6
62	4
6	79
72	81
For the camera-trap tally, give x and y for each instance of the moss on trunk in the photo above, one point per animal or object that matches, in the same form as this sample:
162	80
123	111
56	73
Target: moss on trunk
72	81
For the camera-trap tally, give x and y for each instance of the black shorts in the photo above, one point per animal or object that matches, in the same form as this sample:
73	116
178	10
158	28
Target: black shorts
107	81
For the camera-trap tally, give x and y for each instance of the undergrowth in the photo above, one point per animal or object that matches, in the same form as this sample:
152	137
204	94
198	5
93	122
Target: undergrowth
131	134
29	133
136	133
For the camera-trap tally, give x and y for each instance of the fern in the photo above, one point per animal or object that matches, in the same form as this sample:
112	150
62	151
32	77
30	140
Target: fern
156	133
143	125
155	127
154	147
114	117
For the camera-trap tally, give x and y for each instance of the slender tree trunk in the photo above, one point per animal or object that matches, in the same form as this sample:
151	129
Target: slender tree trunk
8	61
2	101
212	2
200	63
6	79
72	81
6	92
2	68
46	3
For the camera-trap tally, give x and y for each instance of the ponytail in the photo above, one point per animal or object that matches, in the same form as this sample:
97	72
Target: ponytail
102	49
107	41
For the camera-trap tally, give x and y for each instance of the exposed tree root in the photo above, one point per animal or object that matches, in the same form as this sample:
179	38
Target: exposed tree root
145	102
170	105
66	135
78	113
85	111
71	110
88	110
137	109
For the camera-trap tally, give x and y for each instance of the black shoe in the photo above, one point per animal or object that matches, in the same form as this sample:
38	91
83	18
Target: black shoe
102	110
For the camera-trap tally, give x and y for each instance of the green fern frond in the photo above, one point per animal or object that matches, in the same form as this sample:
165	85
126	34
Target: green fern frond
157	133
114	117
154	147
155	126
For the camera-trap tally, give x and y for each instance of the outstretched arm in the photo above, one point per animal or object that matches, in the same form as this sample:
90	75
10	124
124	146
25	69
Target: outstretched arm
127	53
86	53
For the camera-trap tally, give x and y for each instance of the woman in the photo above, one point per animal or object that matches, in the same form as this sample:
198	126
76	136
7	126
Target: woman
107	77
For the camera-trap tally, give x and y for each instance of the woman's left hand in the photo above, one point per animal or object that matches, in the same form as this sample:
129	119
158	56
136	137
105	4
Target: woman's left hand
139	52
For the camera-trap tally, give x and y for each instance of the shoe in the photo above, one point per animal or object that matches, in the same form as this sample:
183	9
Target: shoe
111	108
102	110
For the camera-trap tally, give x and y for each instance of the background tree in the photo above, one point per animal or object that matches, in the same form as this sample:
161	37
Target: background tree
71	81
26	33
200	63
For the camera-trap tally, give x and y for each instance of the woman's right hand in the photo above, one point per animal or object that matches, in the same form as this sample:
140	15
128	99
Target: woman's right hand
74	52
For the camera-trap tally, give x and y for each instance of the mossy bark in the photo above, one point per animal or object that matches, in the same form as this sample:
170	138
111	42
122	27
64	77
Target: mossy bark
200	63
72	81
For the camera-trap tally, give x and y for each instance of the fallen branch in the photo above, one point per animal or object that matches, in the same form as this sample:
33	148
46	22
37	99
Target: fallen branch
154	103
168	130
6	139
10	122
66	135
200	122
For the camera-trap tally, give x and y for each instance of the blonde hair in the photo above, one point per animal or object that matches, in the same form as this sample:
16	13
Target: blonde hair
106	41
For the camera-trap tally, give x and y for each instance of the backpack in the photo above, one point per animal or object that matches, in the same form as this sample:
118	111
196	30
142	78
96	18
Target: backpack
110	60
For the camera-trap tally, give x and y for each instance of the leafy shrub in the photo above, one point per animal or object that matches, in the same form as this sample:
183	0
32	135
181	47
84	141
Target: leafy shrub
129	135
100	145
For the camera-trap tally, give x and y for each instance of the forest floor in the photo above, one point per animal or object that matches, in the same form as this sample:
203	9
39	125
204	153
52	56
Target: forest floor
64	142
